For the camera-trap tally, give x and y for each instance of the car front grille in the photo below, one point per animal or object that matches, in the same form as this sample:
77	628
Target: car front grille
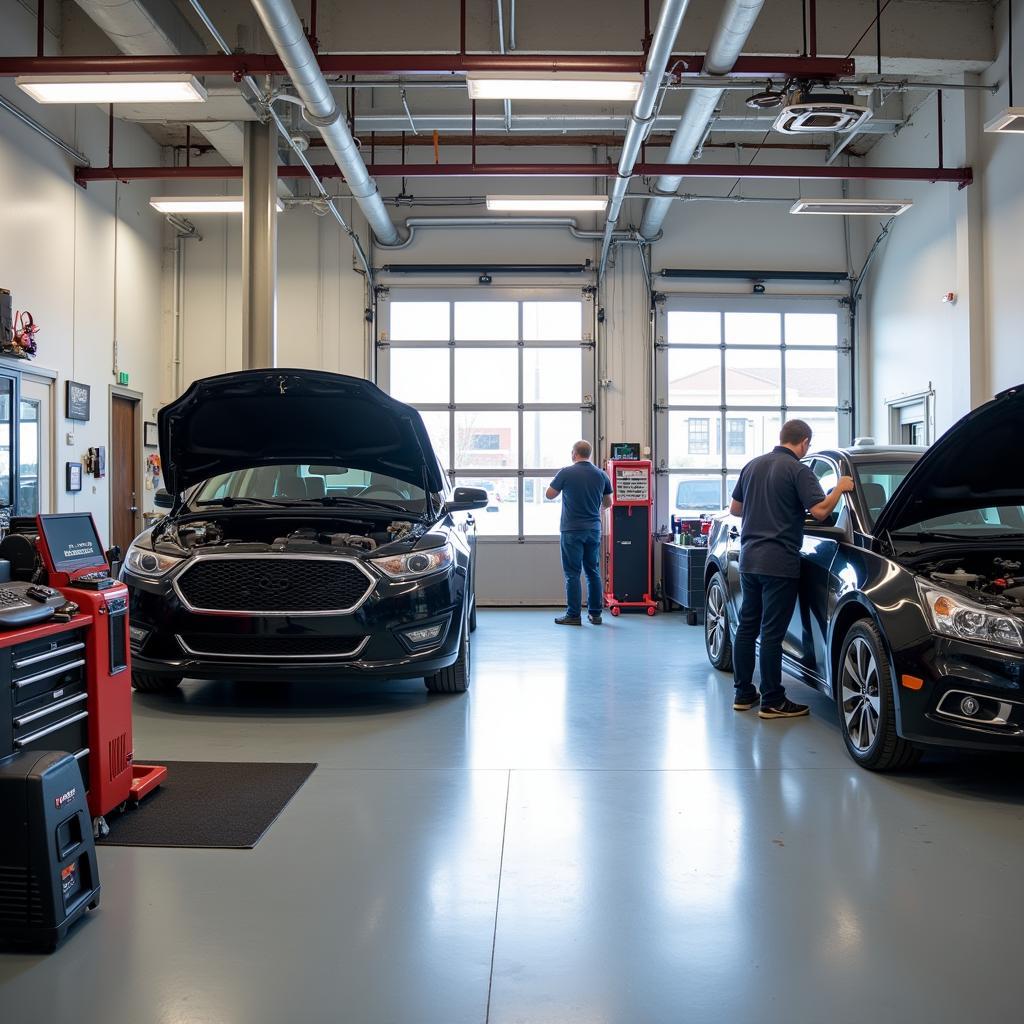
242	646
274	584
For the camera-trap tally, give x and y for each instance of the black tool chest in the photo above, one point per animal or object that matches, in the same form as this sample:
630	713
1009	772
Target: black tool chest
47	704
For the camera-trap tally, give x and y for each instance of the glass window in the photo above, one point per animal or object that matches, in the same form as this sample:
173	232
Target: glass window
695	376
812	377
753	329
552	321
540	516
548	438
420	321
486	321
485	439
689	328
699	435
876	482
553	375
736	435
29	455
753	377
420	375
762	435
824	428
681	455
501	517
6	408
487	375
812	329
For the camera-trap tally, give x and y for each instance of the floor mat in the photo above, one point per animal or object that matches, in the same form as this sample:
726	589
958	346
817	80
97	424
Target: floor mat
209	804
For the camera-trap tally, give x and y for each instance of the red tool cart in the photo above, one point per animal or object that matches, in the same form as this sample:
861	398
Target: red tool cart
630	557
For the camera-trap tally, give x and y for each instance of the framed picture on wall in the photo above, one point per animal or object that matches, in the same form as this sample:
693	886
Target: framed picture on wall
77	401
73	476
150	437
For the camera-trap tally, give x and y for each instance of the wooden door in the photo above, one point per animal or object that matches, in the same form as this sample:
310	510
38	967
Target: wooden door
123	466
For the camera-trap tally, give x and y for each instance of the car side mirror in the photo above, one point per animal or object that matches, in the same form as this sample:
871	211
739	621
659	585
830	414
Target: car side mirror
465	499
162	499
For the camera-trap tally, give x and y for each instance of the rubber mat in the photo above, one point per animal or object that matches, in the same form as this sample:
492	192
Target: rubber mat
209	804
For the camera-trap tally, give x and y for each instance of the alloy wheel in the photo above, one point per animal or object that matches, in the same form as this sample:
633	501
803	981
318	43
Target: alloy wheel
860	697
714	621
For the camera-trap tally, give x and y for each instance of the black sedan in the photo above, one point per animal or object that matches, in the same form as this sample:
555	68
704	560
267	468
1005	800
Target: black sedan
911	606
311	530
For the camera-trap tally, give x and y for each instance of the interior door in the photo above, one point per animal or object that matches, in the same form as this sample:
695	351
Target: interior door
124	471
35	447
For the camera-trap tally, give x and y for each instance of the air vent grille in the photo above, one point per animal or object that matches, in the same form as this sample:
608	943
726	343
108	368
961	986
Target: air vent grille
853	207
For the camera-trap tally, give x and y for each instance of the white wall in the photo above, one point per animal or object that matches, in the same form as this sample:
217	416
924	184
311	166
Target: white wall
86	262
962	241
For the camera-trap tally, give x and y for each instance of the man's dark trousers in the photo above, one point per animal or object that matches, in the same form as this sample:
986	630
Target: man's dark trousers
581	552
768	603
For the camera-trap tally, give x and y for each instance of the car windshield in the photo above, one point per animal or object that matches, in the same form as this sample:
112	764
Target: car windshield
876	482
300	482
702	495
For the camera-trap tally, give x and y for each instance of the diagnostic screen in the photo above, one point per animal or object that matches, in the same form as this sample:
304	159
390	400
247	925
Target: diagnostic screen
73	541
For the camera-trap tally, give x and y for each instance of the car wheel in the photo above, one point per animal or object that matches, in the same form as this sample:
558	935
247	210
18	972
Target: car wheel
867	712
716	625
147	682
455	678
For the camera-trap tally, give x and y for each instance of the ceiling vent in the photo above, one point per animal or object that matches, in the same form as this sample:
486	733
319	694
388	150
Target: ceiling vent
853	207
820	112
1010	122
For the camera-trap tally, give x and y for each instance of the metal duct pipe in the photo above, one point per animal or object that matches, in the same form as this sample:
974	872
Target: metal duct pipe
642	117
285	31
737	20
581	234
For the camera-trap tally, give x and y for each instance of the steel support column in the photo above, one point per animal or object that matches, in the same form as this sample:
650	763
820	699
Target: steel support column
259	246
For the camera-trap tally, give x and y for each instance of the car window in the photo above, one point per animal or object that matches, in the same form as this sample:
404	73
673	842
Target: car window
702	495
828	477
876	482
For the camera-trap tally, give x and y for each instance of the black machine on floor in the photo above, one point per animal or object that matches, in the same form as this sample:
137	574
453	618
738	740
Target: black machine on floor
629	583
48	872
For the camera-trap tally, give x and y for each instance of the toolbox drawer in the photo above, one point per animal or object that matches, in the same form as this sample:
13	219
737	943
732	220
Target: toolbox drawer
69	731
29	658
48	678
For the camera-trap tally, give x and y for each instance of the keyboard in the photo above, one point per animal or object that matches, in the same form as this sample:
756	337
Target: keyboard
17	610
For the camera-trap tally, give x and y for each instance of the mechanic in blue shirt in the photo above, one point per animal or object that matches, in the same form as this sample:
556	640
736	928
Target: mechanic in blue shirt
773	495
585	490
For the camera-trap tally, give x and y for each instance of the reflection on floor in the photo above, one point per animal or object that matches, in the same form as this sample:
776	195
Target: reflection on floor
591	835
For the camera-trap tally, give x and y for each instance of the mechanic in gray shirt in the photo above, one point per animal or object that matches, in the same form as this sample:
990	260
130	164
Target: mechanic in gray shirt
773	495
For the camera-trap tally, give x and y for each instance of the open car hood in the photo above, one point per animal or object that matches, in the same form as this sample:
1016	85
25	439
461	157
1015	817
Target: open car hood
264	417
977	463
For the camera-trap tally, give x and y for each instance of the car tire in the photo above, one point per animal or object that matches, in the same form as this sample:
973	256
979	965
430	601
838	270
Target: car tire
866	702
717	641
455	678
147	682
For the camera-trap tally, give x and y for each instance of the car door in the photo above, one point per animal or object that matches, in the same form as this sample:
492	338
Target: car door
805	639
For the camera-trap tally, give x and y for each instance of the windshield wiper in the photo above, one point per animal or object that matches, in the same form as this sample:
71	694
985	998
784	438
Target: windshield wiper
387	506
929	535
229	502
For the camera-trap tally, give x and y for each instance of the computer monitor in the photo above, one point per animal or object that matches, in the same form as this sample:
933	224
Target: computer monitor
72	541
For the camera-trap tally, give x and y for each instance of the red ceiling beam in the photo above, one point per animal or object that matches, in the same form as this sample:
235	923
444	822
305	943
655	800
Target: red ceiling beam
959	175
237	65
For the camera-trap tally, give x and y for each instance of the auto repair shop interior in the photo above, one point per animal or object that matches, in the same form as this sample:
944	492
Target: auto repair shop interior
302	307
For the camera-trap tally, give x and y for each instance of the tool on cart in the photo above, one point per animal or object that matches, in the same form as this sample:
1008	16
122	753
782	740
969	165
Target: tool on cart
47	858
629	538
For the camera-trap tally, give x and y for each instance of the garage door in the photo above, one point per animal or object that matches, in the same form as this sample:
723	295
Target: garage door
504	380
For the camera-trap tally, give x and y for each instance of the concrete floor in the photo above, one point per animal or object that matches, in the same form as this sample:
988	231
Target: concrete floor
591	836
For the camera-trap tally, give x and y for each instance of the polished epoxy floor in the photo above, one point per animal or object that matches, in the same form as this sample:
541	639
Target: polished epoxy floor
591	836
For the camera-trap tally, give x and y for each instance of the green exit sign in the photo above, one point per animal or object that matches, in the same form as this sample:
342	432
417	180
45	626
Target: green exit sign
122	377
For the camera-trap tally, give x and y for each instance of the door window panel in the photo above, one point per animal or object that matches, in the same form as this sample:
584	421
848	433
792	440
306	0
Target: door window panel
420	375
693	328
812	377
438	426
695	376
812	329
753	329
420	321
552	321
501	516
548	438
697	428
540	516
29	457
761	430
487	375
486	440
486	321
825	433
753	377
552	375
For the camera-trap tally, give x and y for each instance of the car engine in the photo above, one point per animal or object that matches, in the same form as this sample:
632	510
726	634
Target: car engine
997	577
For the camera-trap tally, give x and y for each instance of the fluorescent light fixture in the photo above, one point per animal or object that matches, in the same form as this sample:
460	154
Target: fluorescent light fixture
1010	122
201	204
539	85
547	204
148	88
853	207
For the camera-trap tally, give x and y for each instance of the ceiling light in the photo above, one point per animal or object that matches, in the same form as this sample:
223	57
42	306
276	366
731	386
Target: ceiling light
1010	122
853	207
547	204
151	88
497	85
201	204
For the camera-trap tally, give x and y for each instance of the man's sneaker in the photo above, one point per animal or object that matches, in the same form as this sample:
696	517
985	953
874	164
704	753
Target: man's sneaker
595	620
746	703
785	709
568	620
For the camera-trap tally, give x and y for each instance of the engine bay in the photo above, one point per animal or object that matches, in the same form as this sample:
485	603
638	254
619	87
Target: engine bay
980	576
238	535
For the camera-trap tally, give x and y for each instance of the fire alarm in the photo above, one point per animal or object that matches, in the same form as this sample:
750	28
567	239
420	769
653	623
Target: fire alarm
949	297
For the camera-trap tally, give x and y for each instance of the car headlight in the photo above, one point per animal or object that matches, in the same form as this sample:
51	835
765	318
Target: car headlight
416	563
146	562
952	615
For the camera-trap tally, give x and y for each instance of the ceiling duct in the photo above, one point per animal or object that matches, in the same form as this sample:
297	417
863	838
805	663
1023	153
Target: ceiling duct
289	40
807	112
155	27
734	28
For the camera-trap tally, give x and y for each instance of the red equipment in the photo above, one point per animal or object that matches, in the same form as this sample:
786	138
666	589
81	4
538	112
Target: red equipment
630	558
74	560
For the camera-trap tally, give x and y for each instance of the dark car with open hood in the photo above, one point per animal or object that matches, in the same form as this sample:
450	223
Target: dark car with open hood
311	531
911	605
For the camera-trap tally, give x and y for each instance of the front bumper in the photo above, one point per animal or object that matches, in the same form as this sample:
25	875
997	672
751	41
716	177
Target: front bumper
972	695
167	637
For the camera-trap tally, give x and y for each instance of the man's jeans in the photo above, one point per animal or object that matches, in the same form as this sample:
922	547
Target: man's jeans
581	552
768	603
